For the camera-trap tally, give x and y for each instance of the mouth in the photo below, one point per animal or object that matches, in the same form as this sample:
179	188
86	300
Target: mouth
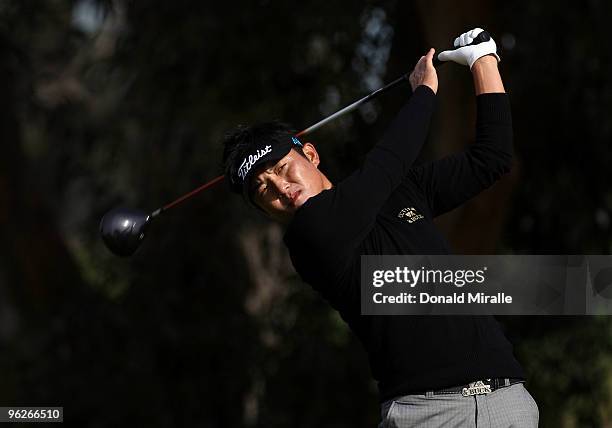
294	198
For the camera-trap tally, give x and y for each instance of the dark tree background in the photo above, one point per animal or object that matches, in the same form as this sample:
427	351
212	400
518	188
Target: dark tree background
108	103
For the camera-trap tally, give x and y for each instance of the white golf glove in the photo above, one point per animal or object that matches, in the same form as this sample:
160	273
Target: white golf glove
467	55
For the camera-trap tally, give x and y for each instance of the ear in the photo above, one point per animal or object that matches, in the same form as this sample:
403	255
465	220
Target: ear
311	154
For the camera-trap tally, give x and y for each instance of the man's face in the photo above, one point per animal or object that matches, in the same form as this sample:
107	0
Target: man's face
281	187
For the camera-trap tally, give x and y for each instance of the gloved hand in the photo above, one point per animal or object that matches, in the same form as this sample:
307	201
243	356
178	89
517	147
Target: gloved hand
467	55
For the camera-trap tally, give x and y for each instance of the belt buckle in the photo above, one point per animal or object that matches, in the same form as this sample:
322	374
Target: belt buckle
476	388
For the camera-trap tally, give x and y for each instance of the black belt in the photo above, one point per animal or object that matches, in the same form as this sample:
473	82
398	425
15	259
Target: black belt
479	387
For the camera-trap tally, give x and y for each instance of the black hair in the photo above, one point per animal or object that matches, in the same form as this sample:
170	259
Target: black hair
241	140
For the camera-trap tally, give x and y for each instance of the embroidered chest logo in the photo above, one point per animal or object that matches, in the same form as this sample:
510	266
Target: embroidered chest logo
410	214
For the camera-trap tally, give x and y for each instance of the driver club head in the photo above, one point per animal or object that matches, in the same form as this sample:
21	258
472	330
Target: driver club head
123	229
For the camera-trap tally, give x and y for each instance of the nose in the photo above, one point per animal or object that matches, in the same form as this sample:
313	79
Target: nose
280	186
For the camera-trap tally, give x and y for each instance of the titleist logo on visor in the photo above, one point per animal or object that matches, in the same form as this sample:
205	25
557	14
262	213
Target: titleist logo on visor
249	161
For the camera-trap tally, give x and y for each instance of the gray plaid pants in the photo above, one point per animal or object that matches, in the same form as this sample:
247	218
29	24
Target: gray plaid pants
510	406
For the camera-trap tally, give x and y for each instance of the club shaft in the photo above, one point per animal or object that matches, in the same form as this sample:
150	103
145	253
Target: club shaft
353	106
194	192
360	102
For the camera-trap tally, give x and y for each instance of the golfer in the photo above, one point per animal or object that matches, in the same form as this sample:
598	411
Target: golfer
431	370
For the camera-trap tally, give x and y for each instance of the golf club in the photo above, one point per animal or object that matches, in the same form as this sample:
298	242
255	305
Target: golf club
123	229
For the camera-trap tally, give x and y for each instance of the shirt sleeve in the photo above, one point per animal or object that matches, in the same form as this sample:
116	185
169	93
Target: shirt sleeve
452	180
332	224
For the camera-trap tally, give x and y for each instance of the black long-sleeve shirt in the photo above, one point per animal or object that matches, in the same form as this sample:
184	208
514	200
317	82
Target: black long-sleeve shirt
362	215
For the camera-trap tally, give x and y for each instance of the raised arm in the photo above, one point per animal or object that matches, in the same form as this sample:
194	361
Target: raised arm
388	162
339	218
453	180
